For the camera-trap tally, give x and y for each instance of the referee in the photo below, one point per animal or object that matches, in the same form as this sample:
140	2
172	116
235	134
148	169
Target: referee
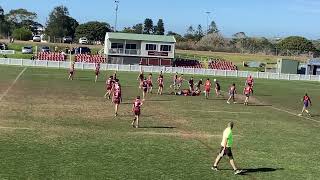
226	145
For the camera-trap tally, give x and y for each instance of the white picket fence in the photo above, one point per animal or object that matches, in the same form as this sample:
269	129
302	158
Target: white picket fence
157	69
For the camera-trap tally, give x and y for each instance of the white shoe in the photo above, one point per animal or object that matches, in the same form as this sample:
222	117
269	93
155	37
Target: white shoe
299	114
236	172
228	102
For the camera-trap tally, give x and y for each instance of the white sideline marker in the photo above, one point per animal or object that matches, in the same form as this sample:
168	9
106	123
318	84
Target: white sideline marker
14	128
228	112
294	114
13	83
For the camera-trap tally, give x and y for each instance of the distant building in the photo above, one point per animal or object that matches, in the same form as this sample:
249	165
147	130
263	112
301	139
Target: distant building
144	49
313	67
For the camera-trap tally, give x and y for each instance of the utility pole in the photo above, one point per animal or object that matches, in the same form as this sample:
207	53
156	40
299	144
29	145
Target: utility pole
116	20
208	15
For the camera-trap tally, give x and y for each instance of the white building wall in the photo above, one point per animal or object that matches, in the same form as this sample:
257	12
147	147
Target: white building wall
144	52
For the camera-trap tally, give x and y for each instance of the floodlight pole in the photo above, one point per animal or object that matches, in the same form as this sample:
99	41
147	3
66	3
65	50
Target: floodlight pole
116	20
208	14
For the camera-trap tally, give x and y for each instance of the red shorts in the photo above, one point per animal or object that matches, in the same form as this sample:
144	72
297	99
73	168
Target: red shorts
150	85
207	89
161	85
71	72
116	100
109	87
97	73
137	112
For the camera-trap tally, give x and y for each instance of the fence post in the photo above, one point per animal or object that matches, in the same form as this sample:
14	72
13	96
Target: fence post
214	72
59	64
300	77
288	76
117	67
21	62
258	74
225	73
194	71
236	73
309	77
47	64
278	75
9	61
82	65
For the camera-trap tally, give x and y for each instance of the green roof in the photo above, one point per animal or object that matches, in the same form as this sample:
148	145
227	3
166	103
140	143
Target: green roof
141	37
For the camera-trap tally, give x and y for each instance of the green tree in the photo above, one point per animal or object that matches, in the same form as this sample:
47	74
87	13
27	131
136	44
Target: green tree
199	33
159	29
21	17
176	35
23	34
213	28
93	31
190	35
4	25
60	24
136	29
148	26
296	44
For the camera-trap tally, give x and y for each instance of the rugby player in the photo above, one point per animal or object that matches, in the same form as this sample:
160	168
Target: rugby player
306	103
136	109
232	92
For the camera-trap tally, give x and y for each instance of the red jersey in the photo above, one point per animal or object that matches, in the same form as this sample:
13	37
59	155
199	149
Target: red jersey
97	67
250	80
232	90
306	99
137	104
247	90
160	80
207	84
72	68
149	80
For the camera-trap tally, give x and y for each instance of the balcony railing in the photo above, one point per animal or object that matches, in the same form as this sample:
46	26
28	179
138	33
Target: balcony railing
125	51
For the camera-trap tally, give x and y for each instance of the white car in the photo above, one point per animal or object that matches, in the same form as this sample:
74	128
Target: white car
83	40
36	38
26	50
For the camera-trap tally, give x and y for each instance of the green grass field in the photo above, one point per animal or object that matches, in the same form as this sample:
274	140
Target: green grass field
52	128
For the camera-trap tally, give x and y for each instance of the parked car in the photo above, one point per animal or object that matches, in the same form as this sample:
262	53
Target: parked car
67	39
3	46
36	38
45	49
26	50
82	50
83	40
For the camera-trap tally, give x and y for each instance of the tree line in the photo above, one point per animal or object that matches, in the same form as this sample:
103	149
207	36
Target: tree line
22	24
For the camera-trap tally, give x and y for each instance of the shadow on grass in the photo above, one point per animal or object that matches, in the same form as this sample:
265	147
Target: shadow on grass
157	127
259	170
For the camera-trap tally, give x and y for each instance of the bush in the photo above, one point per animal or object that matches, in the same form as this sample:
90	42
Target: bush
22	34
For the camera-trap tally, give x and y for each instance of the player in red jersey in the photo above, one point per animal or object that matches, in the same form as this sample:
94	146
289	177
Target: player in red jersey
136	109
306	102
207	87
180	81
160	84
249	81
232	92
247	91
116	96
150	84
144	87
71	72
109	85
97	71
140	79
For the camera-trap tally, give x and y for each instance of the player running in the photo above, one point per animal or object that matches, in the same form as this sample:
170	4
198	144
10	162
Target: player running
116	96
207	87
306	102
232	92
160	84
247	91
97	71
217	88
136	109
249	81
140	79
198	85
191	84
109	85
71	72
150	84
144	87
225	149
180	81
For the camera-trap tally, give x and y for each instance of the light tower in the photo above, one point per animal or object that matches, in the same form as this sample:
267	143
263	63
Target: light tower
208	15
116	20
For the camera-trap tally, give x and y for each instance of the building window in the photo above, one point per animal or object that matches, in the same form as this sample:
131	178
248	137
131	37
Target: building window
131	46
116	46
165	48
151	47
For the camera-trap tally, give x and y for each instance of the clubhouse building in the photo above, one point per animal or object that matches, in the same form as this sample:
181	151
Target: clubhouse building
143	49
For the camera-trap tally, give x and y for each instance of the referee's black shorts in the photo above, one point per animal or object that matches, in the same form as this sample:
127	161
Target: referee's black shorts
227	152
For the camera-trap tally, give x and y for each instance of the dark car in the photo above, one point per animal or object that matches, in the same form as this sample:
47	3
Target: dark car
45	49
82	50
67	39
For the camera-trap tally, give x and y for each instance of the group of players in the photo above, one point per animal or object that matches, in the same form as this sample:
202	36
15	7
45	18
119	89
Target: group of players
113	90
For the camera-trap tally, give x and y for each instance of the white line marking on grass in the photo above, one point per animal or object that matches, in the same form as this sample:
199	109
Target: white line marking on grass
14	128
13	83
228	112
294	114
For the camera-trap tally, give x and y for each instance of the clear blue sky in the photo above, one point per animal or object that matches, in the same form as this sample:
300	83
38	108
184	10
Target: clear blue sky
268	18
